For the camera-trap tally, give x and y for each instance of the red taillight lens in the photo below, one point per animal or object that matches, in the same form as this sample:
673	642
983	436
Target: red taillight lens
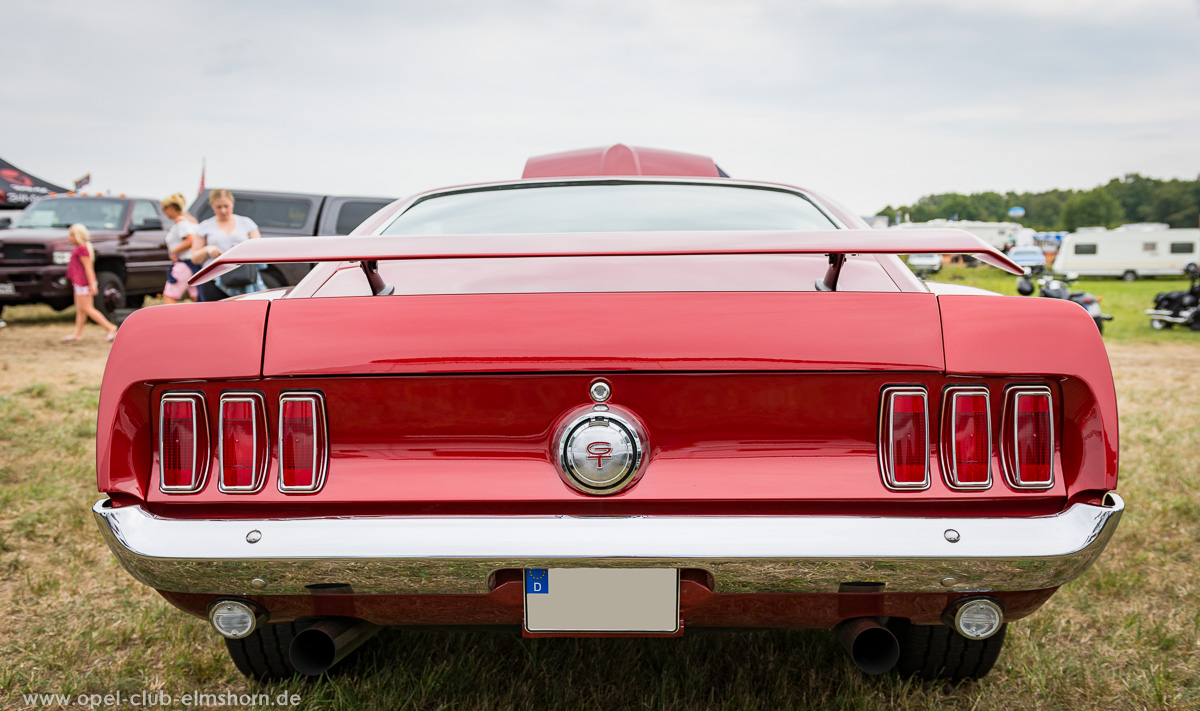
971	440
1034	440
303	449
182	443
904	441
243	442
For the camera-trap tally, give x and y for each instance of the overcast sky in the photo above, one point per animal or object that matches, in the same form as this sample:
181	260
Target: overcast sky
870	101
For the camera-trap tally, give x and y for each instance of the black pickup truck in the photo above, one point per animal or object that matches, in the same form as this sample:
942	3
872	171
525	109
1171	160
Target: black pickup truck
128	235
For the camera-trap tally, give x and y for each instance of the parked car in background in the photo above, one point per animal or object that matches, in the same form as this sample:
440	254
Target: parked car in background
295	215
1031	258
622	396
925	264
127	233
1130	251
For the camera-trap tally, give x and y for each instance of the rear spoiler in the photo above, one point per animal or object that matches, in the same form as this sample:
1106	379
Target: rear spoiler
836	244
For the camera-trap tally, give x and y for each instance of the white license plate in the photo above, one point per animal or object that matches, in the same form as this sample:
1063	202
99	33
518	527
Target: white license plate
7	288
602	600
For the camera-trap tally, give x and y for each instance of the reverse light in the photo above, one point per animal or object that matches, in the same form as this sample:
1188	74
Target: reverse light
904	438
243	444
234	619
303	442
1029	438
182	443
975	618
967	438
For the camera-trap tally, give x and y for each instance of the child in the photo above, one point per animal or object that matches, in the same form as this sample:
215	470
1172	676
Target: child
82	275
179	247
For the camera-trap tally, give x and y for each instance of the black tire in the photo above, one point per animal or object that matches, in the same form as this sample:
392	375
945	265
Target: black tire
110	294
1129	276
938	652
1099	325
135	301
1160	325
264	653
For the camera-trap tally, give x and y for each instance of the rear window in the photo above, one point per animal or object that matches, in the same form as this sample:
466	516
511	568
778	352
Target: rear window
354	213
609	207
1183	247
269	213
1085	249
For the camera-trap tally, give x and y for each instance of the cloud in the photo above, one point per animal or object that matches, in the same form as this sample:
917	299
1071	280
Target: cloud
873	101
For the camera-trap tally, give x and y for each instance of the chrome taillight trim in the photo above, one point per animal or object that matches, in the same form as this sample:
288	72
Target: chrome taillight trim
259	408
950	454
1008	436
885	453
320	440
200	445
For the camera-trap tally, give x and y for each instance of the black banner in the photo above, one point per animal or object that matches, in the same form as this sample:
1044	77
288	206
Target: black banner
18	188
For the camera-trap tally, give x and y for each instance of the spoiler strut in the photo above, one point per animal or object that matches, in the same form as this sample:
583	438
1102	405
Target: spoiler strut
836	244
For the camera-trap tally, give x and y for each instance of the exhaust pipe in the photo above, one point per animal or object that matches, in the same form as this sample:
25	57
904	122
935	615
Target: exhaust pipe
871	646
315	650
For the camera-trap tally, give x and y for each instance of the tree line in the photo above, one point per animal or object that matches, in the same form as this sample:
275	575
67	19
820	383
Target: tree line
1133	198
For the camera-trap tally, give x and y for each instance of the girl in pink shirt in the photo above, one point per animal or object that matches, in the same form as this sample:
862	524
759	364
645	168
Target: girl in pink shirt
82	275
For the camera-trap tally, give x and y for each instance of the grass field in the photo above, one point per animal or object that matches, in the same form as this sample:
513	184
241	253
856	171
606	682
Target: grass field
1124	636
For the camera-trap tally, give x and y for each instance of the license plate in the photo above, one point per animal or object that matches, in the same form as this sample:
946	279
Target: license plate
7	288
618	600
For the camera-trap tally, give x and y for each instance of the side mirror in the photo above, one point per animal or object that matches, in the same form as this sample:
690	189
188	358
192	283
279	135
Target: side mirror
150	223
1027	272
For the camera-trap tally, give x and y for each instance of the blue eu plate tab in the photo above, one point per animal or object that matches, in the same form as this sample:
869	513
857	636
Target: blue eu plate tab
537	581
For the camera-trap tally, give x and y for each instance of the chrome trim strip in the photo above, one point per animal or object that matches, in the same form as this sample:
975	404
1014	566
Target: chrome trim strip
950	464
1012	473
456	554
320	440
886	421
259	408
199	463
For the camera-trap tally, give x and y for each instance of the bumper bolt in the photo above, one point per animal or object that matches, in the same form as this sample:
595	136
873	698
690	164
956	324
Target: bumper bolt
948	582
258	583
952	535
254	536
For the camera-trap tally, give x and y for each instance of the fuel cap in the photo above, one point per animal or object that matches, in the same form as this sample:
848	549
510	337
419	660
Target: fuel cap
599	453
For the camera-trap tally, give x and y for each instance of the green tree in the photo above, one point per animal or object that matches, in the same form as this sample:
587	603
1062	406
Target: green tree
1175	204
1095	207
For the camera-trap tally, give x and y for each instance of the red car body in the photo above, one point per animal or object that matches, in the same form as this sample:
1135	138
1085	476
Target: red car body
762	405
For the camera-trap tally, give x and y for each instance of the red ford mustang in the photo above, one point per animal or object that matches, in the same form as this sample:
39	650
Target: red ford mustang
625	395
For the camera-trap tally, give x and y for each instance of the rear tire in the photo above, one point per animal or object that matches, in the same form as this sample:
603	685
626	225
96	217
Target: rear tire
1099	325
1160	325
263	654
938	652
1129	276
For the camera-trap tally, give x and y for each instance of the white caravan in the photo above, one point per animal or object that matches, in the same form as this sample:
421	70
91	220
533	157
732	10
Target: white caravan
996	234
1130	251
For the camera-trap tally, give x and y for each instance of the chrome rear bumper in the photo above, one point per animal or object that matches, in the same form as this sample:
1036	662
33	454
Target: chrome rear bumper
800	554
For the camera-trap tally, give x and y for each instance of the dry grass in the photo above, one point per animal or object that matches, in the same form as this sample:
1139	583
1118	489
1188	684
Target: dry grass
1125	636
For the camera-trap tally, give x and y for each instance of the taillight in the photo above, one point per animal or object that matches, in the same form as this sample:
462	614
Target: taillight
182	443
303	442
904	438
967	435
243	446
1029	438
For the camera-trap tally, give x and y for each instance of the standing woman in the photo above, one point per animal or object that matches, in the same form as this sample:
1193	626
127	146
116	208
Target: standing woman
81	272
217	235
179	247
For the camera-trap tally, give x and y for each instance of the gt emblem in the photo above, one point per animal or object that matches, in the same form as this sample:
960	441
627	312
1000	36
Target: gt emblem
599	451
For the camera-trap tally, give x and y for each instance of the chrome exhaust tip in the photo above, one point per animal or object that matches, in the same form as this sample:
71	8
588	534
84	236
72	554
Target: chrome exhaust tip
871	646
315	650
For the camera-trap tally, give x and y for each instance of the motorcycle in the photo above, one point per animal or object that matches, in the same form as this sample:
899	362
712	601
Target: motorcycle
1178	307
1059	288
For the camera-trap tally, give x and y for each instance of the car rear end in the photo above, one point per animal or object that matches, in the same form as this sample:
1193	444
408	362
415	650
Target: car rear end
580	461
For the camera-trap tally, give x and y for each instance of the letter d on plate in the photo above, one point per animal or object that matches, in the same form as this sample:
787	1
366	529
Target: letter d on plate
537	581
